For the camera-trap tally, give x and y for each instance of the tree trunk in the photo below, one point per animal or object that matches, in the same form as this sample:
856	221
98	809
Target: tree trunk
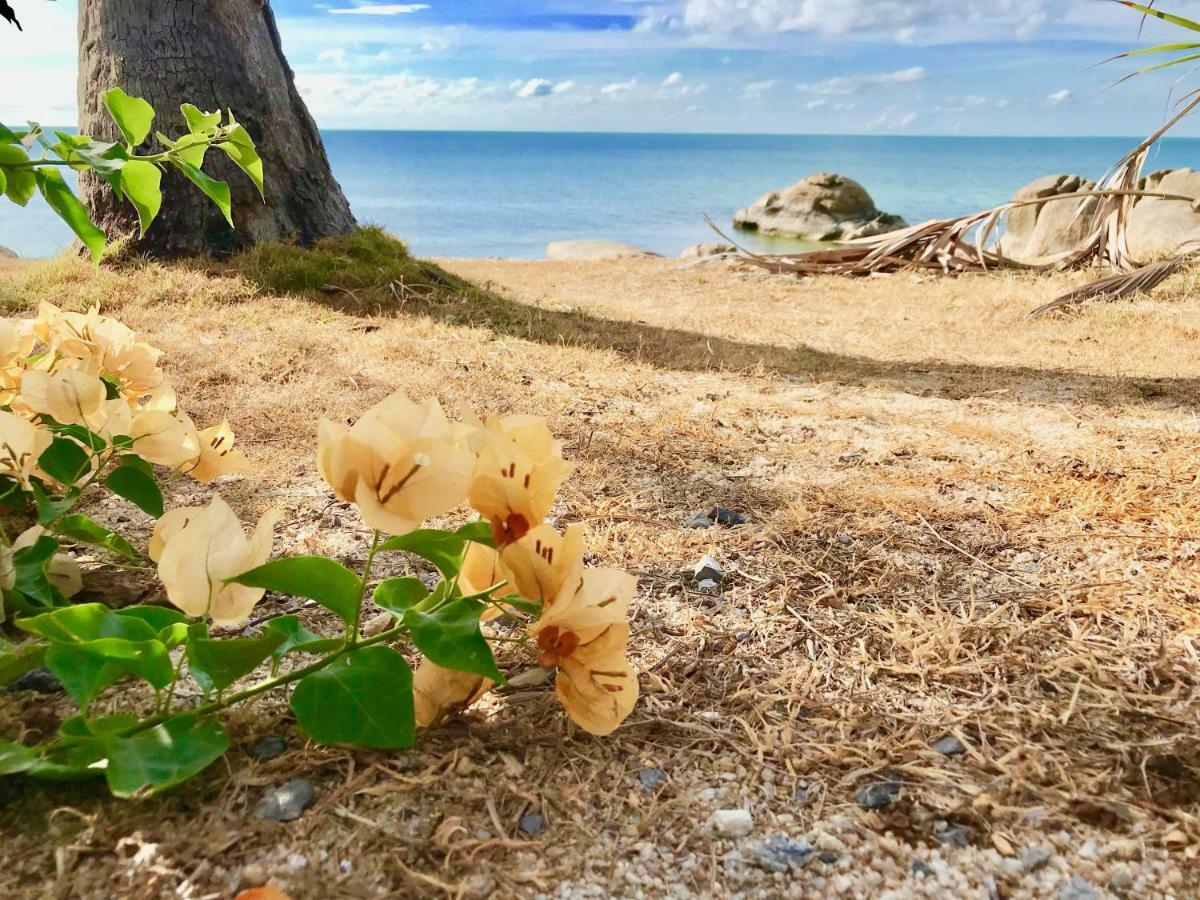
217	54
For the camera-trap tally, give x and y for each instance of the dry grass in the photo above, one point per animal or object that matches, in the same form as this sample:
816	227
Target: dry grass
962	523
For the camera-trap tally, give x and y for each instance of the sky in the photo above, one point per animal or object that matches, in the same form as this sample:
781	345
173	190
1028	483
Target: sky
971	67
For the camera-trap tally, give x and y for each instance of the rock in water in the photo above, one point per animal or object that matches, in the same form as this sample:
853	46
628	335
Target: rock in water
822	207
1045	229
593	250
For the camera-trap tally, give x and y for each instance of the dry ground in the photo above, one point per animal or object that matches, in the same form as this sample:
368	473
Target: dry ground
961	524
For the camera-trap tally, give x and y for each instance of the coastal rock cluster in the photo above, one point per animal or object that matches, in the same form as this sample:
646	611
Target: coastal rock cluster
820	207
1157	227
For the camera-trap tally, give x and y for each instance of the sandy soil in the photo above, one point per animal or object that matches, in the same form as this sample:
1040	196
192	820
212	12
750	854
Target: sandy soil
960	525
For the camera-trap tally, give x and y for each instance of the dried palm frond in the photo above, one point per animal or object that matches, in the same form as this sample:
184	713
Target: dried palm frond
1122	285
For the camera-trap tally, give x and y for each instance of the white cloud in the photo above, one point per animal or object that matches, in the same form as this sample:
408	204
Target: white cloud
851	84
535	87
381	9
563	86
892	119
619	87
1060	97
673	79
756	89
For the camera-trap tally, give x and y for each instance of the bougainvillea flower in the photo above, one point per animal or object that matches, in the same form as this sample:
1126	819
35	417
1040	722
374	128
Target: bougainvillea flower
583	634
539	564
62	571
217	455
16	345
21	445
106	346
198	548
164	439
401	463
517	474
440	693
69	396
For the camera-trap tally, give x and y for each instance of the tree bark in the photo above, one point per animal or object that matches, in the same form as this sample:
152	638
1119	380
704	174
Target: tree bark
217	54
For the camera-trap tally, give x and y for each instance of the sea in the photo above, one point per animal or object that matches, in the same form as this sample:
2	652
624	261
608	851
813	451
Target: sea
507	194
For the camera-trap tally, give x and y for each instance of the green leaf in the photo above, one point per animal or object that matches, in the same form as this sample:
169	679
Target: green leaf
450	637
19	660
297	638
399	595
80	728
329	583
164	756
82	673
217	191
240	148
30	580
363	698
200	123
20	183
130	481
16	758
157	617
52	508
86	622
104	158
76	760
86	437
70	210
82	529
220	663
444	549
133	115
65	461
141	182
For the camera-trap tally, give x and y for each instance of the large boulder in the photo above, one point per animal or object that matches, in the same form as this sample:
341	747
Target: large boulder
1040	230
593	250
822	207
5	253
1159	228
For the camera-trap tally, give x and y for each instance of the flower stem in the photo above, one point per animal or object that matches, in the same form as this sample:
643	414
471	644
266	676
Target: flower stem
352	636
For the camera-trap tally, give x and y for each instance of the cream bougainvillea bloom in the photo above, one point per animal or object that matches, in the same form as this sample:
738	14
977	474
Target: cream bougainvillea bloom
102	345
583	634
62	572
539	564
164	439
21	445
518	472
198	548
401	463
217	455
69	396
439	693
16	345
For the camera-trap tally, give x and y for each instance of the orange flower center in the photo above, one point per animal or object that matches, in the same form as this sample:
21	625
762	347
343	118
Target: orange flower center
510	530
556	646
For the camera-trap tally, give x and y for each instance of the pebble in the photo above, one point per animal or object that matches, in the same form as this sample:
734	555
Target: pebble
727	517
288	801
845	540
800	797
878	794
40	681
269	748
708	569
532	825
699	521
779	853
732	823
1121	881
828	857
651	778
952	835
920	867
1034	858
1079	888
949	746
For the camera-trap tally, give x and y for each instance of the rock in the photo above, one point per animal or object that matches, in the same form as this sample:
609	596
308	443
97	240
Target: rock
1159	228
726	517
532	825
708	569
5	253
952	835
949	746
821	207
1046	229
919	867
828	857
699	521
780	853
800	796
269	748
1034	858
732	823
40	681
878	794
701	251
1121	881
594	250
1079	888
287	802
651	778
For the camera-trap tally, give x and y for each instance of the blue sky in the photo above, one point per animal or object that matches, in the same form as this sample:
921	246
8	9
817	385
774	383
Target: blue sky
794	66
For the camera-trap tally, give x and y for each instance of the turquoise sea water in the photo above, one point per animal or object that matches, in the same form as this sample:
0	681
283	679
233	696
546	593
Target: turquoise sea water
509	194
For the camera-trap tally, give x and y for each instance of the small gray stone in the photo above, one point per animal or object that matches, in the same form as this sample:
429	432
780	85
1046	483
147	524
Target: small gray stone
708	569
949	746
532	825
1121	882
727	517
699	520
952	835
800	796
40	681
1079	888
1034	858
288	801
732	823
828	857
878	794
844	539
269	748
780	853
651	778
920	867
